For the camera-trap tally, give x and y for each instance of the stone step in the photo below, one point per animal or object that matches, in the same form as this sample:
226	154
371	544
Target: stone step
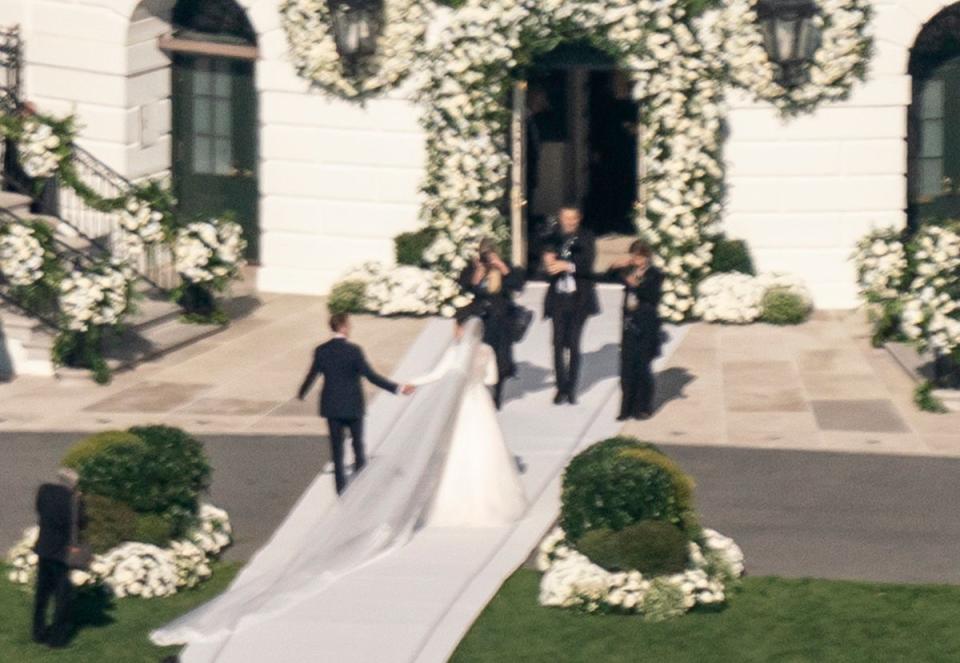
152	310
139	345
920	369
16	203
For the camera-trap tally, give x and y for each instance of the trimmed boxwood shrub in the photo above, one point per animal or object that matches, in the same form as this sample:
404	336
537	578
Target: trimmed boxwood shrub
652	547
782	307
177	471
607	487
157	470
409	247
347	297
99	443
154	528
732	255
109	523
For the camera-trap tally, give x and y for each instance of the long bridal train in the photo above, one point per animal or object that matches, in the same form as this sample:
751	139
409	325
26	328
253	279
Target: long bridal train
408	481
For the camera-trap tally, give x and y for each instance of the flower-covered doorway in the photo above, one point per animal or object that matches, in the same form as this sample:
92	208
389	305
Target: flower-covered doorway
580	126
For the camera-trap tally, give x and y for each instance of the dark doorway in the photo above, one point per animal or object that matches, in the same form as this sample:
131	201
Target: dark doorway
215	117
581	142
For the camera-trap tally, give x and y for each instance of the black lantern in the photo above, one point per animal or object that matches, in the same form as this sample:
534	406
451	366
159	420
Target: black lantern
790	36
356	27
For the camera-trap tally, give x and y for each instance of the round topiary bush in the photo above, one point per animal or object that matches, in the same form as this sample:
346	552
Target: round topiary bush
177	473
348	296
780	306
652	547
154	470
99	443
109	523
154	528
731	255
619	482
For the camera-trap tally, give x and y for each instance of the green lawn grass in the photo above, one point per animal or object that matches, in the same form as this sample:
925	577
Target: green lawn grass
115	635
768	619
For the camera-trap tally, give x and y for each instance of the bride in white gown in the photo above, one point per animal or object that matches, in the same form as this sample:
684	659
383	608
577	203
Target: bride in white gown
479	486
441	461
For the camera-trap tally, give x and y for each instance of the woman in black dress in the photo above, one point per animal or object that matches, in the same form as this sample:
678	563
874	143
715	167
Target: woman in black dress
492	283
641	330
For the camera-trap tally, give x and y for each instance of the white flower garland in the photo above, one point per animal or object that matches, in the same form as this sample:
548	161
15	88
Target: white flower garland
736	298
140	569
22	255
41	150
571	580
209	251
96	297
313	50
931	310
677	76
841	59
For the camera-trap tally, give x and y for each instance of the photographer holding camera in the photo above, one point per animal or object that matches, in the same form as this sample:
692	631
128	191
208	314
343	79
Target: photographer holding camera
492	283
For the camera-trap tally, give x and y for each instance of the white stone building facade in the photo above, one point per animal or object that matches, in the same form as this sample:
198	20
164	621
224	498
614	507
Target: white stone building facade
337	181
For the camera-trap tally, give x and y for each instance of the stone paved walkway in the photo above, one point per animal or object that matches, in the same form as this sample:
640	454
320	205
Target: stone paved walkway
817	386
242	380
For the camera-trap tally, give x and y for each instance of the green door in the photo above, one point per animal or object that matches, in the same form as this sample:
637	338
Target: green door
215	141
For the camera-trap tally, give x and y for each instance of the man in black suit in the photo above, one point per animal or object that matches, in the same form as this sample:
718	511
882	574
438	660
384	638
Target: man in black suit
57	516
342	365
571	297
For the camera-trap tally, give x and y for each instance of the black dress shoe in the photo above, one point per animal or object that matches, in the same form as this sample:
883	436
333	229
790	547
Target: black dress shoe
572	399
559	398
622	417
643	416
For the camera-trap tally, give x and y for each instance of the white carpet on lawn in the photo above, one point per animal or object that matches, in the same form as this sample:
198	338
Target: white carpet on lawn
416	604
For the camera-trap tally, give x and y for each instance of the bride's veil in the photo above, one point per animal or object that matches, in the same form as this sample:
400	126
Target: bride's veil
378	512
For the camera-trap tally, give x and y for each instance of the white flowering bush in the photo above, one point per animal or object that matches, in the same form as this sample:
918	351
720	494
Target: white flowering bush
931	307
95	297
881	263
140	569
307	24
737	298
139	226
407	290
839	61
209	252
571	580
22	254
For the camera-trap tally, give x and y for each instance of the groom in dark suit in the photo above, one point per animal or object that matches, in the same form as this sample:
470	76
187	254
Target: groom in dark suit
342	365
571	296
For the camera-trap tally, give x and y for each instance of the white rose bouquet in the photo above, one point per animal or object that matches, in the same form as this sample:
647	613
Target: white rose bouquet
931	307
95	297
22	254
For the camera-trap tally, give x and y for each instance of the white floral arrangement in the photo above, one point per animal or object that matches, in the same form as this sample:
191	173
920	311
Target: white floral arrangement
674	67
571	580
881	263
931	308
839	61
41	150
140	226
307	24
209	251
22	255
140	569
407	290
736	298
94	297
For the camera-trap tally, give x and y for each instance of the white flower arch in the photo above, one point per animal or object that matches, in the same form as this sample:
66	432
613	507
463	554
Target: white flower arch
677	70
314	53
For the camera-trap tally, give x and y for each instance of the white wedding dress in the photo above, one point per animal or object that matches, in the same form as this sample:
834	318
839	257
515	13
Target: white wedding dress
442	460
479	486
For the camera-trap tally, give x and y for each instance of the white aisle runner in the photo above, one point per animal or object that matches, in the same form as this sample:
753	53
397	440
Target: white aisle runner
415	605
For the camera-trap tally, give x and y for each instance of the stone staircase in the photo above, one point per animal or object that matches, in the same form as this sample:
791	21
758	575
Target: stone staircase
155	329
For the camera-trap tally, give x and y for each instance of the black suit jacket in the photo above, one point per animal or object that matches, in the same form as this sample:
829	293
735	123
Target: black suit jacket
583	253
643	321
55	515
342	365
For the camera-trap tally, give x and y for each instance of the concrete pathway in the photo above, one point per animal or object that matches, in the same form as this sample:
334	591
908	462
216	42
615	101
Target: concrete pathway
416	604
242	380
819	386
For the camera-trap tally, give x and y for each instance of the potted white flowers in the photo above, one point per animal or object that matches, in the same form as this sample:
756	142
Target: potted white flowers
208	255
